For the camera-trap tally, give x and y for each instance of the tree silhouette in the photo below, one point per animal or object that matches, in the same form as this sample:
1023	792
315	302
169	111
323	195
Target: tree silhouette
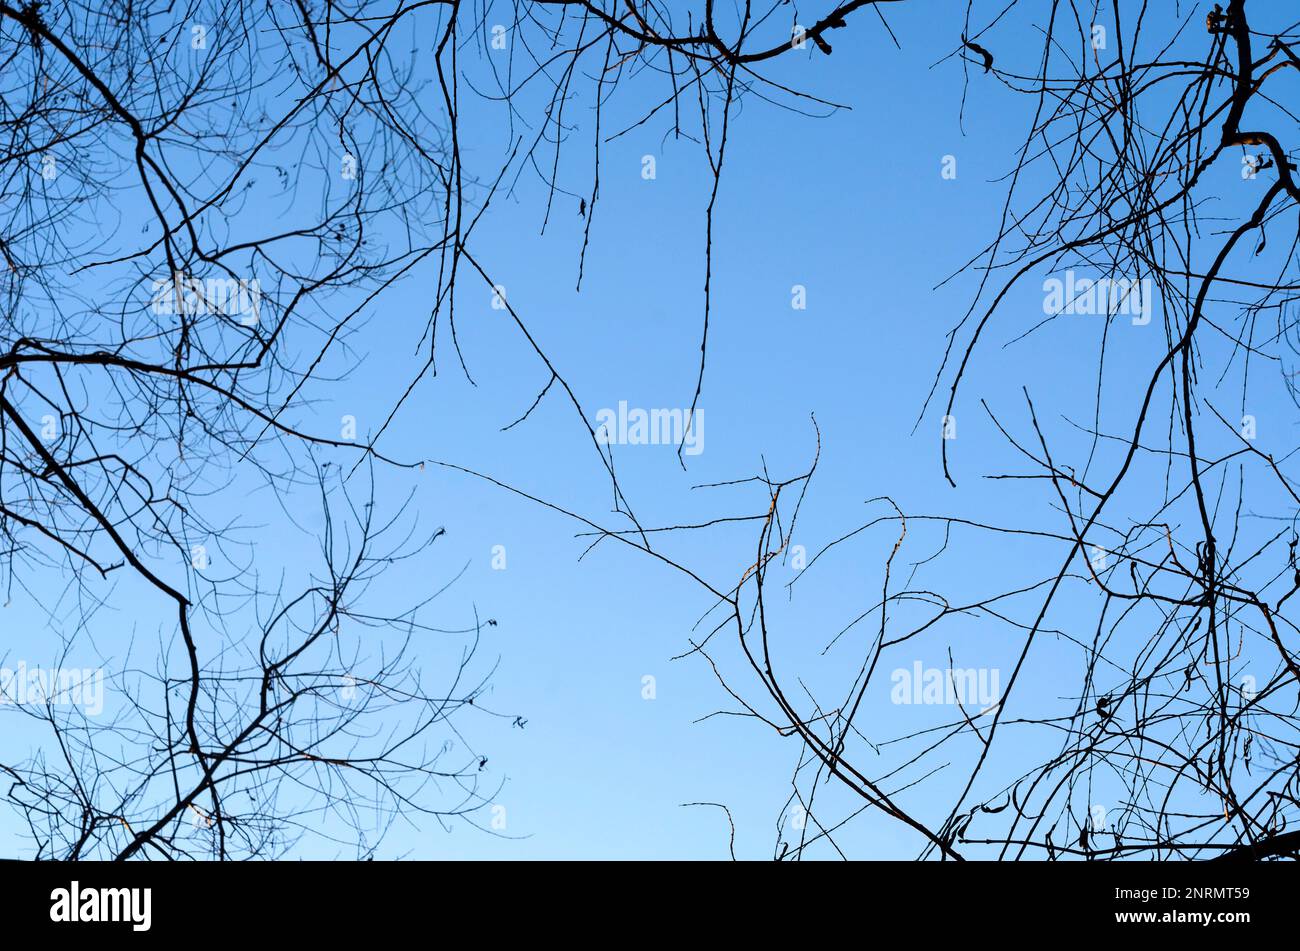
169	332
